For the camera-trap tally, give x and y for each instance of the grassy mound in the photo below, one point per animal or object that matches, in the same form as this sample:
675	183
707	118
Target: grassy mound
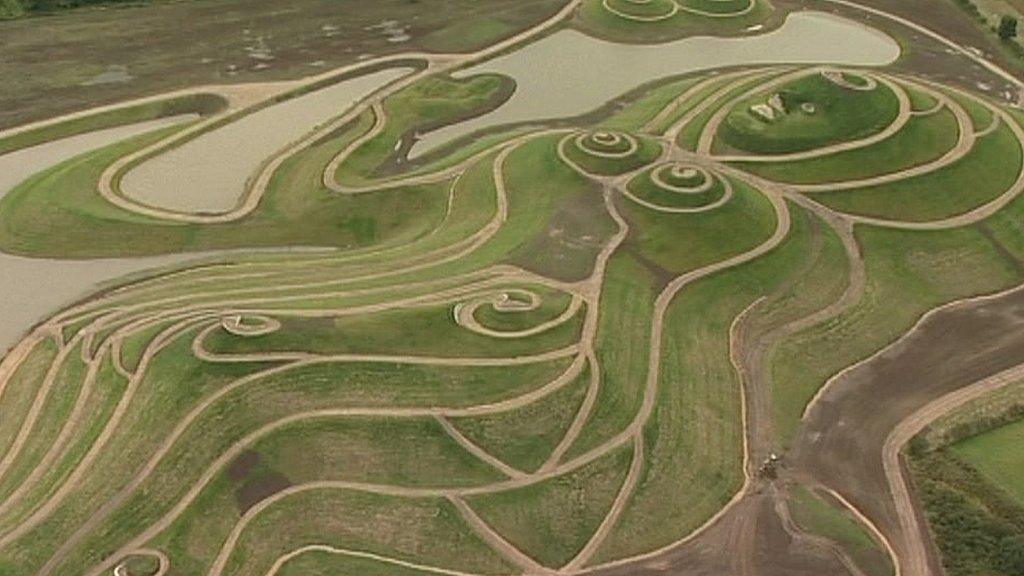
817	112
344	397
607	158
953	190
707	189
657	21
924	139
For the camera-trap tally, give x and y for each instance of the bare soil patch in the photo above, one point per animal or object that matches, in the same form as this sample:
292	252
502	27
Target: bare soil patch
254	482
567	248
841	442
751	540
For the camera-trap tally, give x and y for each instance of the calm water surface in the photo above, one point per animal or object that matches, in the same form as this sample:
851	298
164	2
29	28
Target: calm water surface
569	73
209	173
33	289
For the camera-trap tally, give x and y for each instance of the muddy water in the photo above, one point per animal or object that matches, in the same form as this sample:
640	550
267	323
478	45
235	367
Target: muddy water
209	173
32	289
569	73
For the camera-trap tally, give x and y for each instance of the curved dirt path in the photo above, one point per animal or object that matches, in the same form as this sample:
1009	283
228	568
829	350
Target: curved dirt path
478	239
284	559
965	145
74	421
975	215
780	233
919	357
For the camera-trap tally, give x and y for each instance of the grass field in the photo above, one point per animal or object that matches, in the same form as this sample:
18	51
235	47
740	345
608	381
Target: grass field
908	273
55	55
815	515
923	140
535	351
948	192
996	454
975	524
966	464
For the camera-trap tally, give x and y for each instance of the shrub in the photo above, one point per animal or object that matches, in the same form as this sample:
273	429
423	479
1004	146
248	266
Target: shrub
1007	27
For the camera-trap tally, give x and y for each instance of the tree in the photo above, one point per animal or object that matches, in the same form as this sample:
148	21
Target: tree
1007	27
10	9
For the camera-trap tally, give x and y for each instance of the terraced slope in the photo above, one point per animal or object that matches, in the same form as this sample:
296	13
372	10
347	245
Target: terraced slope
559	350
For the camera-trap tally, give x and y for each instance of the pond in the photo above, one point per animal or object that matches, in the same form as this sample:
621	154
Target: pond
569	73
34	289
208	174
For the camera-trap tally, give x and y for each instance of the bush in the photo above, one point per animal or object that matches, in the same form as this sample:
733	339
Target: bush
1007	27
11	9
978	530
1011	555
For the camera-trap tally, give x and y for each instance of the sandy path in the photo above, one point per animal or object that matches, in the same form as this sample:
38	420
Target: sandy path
280	562
976	215
855	288
478	239
965	145
781	231
529	566
782	509
933	388
707	136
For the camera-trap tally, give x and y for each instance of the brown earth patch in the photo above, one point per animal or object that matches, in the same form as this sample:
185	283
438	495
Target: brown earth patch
750	540
241	466
567	248
254	483
840	443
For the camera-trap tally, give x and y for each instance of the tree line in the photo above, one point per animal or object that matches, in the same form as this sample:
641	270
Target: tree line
10	9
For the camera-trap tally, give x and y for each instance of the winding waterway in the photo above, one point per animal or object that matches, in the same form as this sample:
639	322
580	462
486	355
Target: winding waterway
568	72
209	174
33	289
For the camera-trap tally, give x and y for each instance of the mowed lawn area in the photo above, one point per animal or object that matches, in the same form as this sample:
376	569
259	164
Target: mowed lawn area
999	456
